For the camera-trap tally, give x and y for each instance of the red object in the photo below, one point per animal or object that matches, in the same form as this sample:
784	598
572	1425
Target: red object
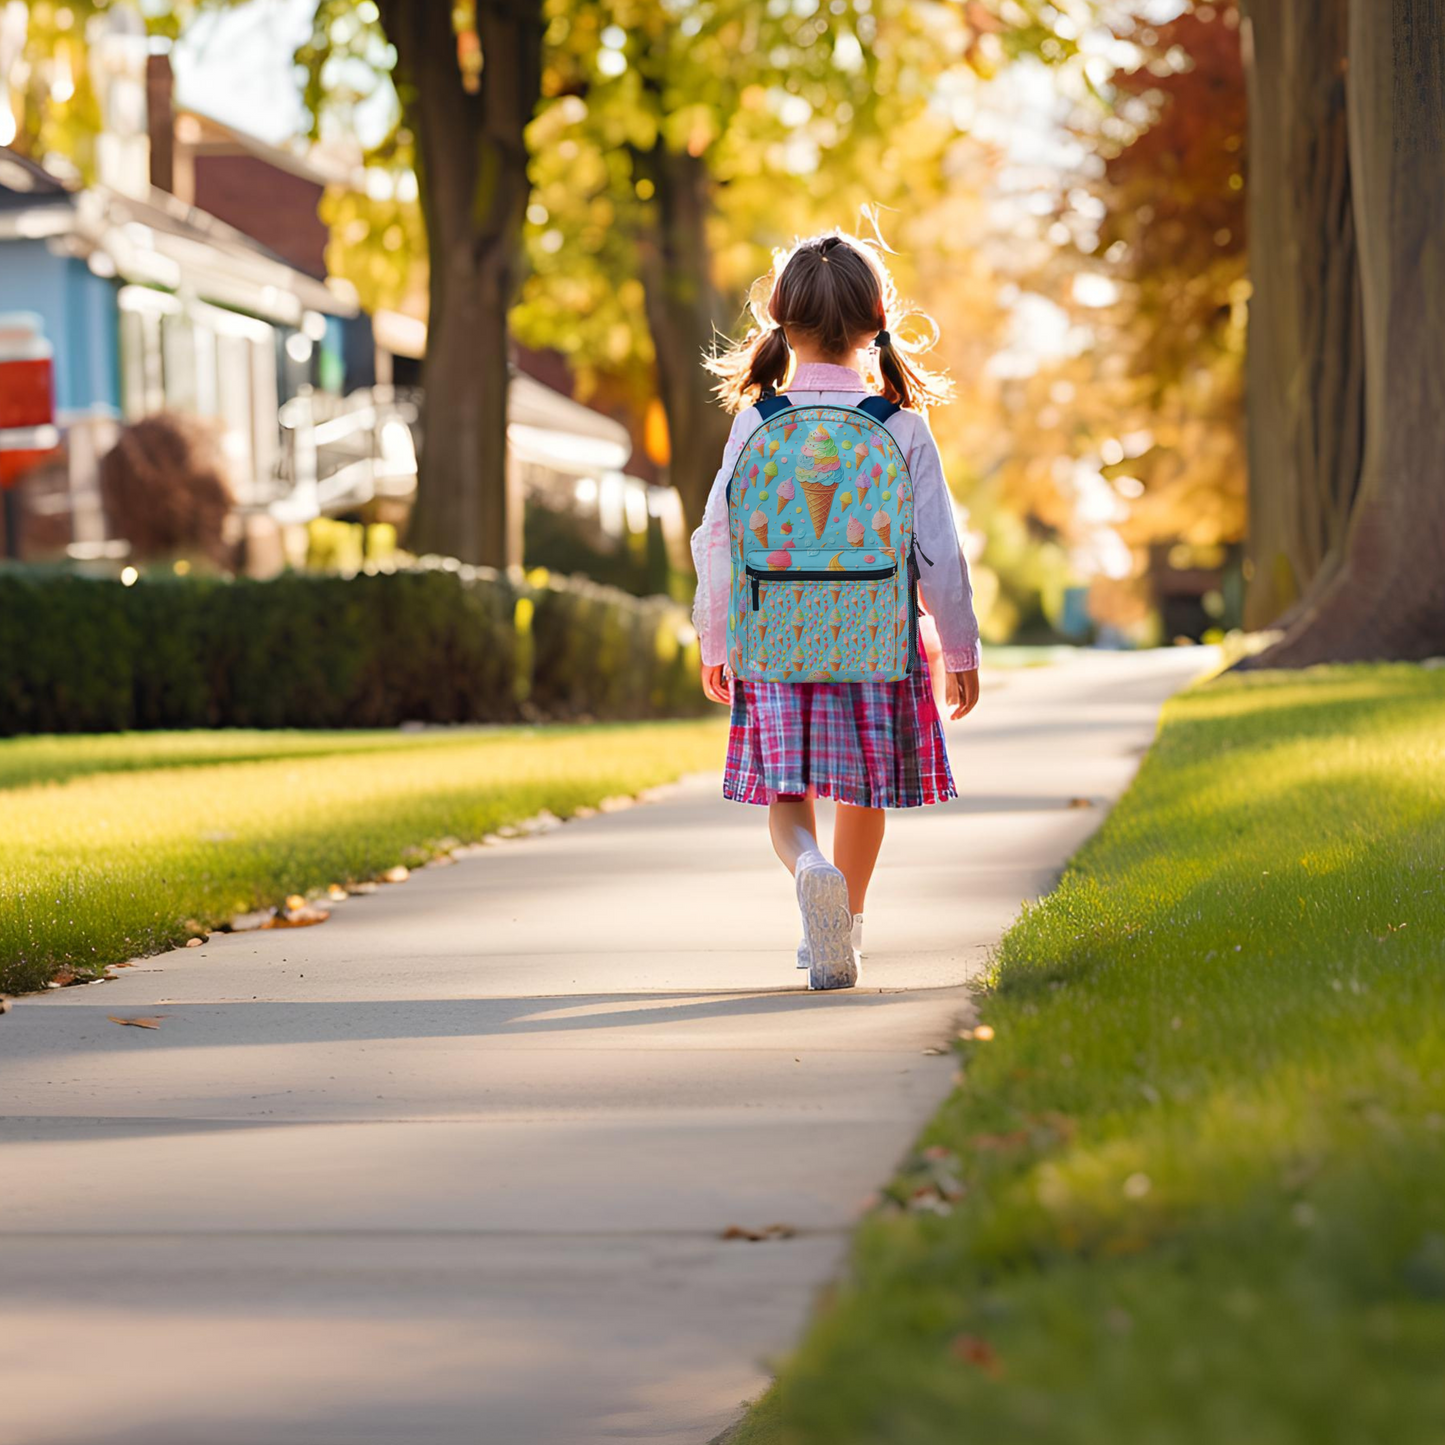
25	394
27	399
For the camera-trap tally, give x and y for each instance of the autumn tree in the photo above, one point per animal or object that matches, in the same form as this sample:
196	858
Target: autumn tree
1121	433
466	78
1348	326
674	152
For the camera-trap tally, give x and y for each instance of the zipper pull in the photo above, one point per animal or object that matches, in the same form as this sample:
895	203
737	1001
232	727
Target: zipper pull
921	552
755	594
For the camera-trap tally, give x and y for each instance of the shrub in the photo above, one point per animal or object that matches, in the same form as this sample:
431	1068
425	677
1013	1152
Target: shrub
438	644
164	488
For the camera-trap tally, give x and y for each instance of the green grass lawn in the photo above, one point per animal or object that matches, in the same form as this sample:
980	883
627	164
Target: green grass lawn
116	846
1198	1173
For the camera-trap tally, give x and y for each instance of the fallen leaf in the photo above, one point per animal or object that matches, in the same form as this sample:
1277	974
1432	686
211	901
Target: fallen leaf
302	917
67	977
194	942
769	1231
929	1200
363	888
337	894
978	1352
1010	1140
153	1022
399	874
294	901
1081	802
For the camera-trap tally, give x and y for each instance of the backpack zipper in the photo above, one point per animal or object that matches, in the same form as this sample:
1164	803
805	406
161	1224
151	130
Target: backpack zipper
759	575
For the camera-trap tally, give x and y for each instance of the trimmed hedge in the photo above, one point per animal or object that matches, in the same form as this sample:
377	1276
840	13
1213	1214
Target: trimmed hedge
440	644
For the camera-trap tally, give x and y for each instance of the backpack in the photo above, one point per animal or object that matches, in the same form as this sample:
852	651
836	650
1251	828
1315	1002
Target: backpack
820	520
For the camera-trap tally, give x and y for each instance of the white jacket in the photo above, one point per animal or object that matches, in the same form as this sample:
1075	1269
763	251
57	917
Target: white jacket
946	588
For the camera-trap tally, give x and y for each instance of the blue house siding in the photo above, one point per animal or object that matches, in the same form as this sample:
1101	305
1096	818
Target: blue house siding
78	310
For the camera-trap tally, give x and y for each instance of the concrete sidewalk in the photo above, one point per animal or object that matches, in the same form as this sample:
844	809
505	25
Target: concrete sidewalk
454	1166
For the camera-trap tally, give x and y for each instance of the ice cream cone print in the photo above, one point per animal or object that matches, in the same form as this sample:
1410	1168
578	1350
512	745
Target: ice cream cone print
758	526
799	622
836	564
835	623
819	473
785	493
861	453
820	502
774	447
797	659
789	427
855	532
883	526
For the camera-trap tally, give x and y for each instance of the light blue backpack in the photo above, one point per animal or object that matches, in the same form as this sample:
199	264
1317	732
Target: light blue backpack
820	516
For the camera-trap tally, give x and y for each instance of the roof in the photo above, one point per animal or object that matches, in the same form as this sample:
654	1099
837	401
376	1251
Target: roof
23	183
203	135
159	241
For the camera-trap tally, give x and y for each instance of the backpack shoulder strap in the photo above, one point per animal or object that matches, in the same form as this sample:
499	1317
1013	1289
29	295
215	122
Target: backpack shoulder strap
769	404
878	407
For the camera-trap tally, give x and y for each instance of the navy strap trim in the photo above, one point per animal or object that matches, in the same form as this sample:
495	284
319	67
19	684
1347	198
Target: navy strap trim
770	404
878	407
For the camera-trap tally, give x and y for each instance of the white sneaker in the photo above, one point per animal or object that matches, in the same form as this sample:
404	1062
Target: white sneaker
857	940
827	924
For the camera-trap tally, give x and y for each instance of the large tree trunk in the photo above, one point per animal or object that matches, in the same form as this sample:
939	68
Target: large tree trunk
684	316
1305	363
472	171
1387	597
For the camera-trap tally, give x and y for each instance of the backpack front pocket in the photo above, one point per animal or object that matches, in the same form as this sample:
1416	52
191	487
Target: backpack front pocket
824	624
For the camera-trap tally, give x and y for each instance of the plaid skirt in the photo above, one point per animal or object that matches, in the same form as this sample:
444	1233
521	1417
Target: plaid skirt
874	744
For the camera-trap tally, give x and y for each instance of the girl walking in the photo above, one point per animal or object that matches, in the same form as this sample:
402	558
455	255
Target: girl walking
869	746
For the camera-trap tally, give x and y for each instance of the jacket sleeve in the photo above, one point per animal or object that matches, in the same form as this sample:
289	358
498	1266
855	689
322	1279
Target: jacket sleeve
710	550
946	586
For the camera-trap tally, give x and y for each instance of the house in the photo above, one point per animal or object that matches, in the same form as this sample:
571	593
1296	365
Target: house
152	305
192	277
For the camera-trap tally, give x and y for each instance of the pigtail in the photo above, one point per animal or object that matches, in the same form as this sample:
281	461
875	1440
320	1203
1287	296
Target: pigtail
757	363
904	380
893	371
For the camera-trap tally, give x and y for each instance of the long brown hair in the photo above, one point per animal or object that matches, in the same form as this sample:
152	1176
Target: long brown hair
836	291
